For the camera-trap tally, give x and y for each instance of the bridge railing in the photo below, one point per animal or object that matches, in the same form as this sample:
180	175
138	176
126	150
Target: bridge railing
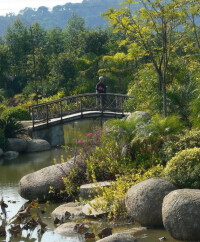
59	109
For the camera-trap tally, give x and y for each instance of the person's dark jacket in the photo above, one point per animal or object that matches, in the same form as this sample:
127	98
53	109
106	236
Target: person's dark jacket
101	88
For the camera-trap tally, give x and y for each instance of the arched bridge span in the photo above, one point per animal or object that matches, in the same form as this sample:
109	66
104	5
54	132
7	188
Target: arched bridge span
80	106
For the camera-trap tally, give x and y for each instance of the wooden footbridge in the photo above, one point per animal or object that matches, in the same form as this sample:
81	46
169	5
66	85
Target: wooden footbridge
90	105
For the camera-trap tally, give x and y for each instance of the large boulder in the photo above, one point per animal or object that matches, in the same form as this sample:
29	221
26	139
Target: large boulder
35	145
144	201
139	115
36	185
89	190
181	214
17	144
119	237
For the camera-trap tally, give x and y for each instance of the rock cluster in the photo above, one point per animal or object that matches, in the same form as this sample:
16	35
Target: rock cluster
157	202
19	145
78	230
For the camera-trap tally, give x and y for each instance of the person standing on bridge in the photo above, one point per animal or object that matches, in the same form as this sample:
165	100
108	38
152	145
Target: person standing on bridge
101	88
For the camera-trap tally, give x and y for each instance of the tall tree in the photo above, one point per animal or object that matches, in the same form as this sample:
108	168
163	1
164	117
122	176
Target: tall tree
74	29
38	58
154	31
18	42
55	41
63	72
4	66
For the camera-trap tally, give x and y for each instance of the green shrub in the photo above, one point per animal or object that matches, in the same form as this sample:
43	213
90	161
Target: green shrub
75	179
184	169
150	138
11	128
16	113
190	139
2	108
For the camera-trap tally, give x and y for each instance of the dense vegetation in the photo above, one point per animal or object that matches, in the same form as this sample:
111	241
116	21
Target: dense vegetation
161	44
152	54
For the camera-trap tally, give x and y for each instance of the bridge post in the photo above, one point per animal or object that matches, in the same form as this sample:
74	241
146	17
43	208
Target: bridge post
81	107
61	111
33	117
116	102
77	104
101	103
122	105
47	111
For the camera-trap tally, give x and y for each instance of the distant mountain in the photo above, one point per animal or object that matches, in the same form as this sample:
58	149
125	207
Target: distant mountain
90	10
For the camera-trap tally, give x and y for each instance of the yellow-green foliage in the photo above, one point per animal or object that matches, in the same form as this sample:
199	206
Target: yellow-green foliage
184	169
72	182
195	109
52	98
75	179
114	196
143	86
2	108
16	113
25	103
190	139
105	163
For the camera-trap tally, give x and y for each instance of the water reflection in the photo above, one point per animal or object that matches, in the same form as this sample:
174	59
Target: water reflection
78	130
11	171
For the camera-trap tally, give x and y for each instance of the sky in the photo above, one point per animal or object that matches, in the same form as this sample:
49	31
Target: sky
14	6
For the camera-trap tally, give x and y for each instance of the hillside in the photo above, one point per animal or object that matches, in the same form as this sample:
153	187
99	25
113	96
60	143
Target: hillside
90	10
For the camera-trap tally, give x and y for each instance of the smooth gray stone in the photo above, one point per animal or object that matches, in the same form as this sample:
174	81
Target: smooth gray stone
89	190
36	145
181	214
66	229
144	116
36	185
75	209
10	155
17	144
119	237
144	201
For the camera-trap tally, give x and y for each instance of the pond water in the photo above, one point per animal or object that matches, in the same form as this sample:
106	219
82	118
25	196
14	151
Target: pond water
11	171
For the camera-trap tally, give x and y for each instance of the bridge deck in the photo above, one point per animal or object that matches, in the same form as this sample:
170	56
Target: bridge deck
77	116
89	105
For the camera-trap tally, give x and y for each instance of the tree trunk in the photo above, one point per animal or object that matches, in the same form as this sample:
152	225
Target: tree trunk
164	98
160	83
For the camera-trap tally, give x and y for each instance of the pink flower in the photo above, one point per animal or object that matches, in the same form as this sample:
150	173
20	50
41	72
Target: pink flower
89	134
80	141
